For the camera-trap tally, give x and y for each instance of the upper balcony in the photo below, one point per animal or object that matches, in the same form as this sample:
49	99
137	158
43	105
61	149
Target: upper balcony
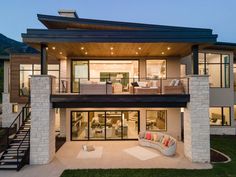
120	91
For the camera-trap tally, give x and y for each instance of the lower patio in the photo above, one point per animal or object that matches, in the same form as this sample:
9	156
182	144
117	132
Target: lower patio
113	156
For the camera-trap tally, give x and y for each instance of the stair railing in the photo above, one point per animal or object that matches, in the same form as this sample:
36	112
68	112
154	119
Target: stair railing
25	157
18	122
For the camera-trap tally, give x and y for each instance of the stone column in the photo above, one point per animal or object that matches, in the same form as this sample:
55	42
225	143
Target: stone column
42	135
196	121
62	122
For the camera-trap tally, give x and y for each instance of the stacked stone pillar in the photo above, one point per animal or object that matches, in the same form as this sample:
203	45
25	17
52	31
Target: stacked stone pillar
196	121
42	135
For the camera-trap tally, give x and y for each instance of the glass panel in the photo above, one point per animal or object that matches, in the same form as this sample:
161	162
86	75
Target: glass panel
213	58
97	125
53	67
114	125
130	124
156	69
201	57
225	75
156	120
26	67
79	70
201	69
37	67
225	59
215	116
234	77
24	82
214	72
226	112
79	121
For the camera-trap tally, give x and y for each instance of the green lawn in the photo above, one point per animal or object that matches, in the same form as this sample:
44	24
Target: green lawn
226	144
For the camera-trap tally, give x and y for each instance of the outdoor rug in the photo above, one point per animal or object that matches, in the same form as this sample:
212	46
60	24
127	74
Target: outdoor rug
141	153
96	154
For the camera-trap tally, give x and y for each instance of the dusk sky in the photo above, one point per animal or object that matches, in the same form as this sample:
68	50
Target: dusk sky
220	15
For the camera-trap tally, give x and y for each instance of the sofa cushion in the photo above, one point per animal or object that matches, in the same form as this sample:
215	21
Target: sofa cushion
171	142
172	83
148	136
155	137
177	82
141	135
142	84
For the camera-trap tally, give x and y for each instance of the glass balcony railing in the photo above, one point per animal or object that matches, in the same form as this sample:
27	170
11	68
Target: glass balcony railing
122	86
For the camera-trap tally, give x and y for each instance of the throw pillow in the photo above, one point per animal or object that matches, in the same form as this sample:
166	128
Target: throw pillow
90	148
166	142
155	137
177	82
161	138
134	84
172	83
171	142
148	136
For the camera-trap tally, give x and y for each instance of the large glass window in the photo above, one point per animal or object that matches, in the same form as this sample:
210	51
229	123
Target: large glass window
217	66
156	69
219	116
101	125
156	120
26	70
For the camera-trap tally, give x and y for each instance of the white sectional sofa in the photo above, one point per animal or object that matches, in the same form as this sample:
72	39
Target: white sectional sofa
166	144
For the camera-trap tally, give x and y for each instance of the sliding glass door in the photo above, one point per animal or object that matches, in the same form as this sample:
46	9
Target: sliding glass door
104	125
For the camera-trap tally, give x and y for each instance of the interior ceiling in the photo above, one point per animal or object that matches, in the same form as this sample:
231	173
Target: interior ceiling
66	50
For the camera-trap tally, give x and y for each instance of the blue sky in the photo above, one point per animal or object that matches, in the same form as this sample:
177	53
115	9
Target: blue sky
220	15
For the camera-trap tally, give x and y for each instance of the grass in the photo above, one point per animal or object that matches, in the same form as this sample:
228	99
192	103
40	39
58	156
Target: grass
226	144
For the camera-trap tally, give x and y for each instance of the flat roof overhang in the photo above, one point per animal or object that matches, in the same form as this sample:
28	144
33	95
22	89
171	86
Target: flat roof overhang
124	101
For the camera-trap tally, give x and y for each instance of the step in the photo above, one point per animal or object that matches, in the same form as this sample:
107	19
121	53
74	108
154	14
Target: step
15	149
13	154
10	160
8	166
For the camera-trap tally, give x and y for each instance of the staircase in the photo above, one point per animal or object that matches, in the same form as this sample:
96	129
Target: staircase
16	153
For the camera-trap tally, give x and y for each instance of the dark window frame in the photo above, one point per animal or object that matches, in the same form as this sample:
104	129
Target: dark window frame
164	130
222	116
33	73
221	64
105	138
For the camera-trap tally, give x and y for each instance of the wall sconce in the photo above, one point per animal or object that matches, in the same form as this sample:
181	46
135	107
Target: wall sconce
14	108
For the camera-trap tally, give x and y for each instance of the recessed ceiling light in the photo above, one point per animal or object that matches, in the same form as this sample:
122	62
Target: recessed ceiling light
168	48
112	53
111	48
140	48
86	53
53	48
46	48
65	57
82	48
136	53
60	53
162	53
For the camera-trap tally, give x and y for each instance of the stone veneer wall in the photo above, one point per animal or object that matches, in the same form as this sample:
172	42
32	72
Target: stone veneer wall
223	130
42	137
196	120
7	115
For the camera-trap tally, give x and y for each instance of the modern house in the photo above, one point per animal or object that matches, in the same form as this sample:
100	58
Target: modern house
107	80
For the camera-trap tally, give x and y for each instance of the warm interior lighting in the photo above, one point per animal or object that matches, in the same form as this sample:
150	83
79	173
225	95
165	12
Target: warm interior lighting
112	53
46	48
136	53
111	48
140	48
82	48
162	53
15	108
53	48
168	48
60	53
86	53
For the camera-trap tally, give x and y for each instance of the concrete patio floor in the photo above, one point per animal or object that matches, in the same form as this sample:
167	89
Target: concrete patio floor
113	156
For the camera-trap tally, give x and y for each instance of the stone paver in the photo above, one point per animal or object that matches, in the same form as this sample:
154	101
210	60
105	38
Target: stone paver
113	157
